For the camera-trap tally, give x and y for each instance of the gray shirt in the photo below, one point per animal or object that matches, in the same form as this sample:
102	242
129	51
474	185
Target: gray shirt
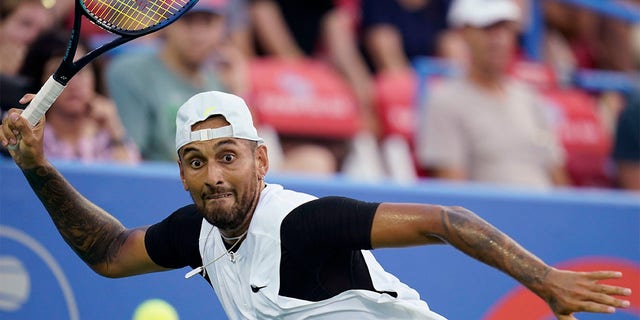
504	139
148	96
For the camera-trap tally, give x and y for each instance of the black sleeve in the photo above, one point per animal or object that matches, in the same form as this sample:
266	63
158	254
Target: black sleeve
330	222
173	242
321	244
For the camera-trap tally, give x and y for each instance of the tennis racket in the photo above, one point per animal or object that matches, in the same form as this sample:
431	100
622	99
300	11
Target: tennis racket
129	19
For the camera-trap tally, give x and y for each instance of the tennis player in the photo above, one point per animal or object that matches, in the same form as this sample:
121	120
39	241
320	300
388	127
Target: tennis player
272	253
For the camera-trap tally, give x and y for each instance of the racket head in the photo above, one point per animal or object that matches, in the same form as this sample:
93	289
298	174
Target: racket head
134	17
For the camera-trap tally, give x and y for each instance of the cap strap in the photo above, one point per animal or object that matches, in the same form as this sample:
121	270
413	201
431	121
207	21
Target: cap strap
209	134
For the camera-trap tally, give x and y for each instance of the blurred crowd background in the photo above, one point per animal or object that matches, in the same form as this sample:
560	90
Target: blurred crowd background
527	93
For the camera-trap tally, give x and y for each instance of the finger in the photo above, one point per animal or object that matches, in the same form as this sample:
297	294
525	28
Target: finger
10	134
27	98
607	301
23	129
20	127
601	275
596	307
613	290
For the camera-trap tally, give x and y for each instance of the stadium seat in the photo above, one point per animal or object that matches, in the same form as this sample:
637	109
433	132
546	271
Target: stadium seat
395	103
537	74
583	135
302	97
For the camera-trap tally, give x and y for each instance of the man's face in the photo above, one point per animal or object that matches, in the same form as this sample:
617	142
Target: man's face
195	36
223	176
492	47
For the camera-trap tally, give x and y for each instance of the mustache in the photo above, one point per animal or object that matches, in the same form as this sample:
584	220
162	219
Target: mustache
215	191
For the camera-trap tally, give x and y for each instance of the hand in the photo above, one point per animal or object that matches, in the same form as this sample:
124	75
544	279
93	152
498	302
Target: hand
569	292
23	142
105	114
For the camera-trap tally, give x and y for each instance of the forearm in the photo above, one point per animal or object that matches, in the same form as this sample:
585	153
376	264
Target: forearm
90	231
272	32
482	241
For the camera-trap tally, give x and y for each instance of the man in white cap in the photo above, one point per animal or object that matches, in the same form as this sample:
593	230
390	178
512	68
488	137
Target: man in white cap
274	253
486	126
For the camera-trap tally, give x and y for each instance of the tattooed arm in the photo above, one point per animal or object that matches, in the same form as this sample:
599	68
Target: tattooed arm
566	292
98	238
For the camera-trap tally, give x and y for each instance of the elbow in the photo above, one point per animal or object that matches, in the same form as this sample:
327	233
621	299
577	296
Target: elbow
104	270
452	221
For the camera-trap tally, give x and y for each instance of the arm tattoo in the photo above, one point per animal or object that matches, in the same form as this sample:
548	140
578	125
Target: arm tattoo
92	233
484	242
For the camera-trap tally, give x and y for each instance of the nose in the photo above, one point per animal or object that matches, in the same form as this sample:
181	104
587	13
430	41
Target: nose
215	174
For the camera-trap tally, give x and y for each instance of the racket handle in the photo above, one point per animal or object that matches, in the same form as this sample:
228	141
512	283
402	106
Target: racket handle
42	101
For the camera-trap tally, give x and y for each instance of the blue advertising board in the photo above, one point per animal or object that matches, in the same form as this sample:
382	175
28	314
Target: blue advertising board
42	278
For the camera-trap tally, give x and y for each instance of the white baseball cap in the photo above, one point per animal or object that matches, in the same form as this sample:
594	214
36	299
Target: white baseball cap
482	13
206	104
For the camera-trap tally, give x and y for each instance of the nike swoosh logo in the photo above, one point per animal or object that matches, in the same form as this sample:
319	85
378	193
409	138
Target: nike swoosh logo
255	288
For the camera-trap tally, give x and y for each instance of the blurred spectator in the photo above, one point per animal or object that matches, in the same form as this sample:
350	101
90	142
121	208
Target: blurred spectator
626	151
487	126
594	40
314	33
148	87
21	21
397	31
81	124
293	29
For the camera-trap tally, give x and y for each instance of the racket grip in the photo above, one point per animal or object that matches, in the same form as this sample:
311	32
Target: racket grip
42	101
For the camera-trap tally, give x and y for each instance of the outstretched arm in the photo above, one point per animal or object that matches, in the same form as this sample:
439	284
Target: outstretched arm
566	292
98	238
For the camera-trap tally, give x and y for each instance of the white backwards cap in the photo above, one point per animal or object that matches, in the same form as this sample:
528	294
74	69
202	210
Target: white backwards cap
204	105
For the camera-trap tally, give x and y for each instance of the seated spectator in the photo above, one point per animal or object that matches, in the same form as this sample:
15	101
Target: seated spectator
588	36
21	21
395	32
81	125
148	87
294	29
626	151
486	126
319	30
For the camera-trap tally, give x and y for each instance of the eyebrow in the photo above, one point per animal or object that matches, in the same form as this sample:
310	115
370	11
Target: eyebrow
218	144
226	141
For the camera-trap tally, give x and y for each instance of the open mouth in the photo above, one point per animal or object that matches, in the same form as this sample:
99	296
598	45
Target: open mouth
218	196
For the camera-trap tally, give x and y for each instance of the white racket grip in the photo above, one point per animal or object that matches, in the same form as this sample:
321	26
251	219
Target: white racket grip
42	101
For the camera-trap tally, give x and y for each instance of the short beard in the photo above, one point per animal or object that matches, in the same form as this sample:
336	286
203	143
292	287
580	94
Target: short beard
234	217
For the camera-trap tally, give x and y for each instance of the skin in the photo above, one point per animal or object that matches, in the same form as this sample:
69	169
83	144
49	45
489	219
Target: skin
225	176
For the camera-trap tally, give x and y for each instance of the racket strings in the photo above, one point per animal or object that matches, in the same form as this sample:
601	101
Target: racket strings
133	15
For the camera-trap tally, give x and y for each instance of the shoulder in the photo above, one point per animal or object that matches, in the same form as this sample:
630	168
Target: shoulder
185	218
448	95
274	205
173	242
329	222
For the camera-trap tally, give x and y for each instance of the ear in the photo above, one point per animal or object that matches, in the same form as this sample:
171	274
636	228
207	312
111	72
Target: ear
184	181
262	161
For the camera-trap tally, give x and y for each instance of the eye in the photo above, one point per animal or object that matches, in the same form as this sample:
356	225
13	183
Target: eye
195	163
228	157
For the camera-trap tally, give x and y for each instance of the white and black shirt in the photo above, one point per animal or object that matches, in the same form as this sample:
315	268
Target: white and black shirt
302	258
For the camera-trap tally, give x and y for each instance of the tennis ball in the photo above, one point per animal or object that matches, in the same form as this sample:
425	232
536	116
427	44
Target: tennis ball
155	309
